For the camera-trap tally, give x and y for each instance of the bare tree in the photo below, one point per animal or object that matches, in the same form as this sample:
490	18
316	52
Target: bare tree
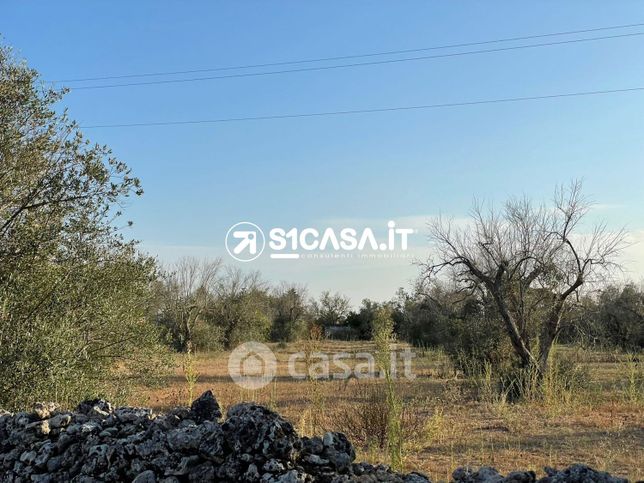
531	259
191	288
288	302
242	308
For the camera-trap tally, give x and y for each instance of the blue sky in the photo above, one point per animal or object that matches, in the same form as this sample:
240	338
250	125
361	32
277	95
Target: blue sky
201	179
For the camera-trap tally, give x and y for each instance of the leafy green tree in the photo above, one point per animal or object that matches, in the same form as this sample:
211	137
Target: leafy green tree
423	319
362	321
619	320
612	319
74	294
289	312
330	309
466	326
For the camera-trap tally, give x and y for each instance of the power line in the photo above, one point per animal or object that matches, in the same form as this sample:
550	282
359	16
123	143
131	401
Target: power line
353	56
357	64
369	111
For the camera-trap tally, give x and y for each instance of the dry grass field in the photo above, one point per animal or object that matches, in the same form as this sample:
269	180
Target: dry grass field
448	420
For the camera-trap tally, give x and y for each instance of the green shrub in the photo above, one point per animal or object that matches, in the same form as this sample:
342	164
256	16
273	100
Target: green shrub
74	295
207	337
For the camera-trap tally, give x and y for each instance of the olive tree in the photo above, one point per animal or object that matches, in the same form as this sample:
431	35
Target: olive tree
532	260
73	292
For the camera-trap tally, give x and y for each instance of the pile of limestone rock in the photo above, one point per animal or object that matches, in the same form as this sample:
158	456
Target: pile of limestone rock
97	442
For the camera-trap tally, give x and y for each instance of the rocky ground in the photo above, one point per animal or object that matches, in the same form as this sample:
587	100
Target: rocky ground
97	442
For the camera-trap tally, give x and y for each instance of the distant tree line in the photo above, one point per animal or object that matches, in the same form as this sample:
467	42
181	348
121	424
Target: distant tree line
205	305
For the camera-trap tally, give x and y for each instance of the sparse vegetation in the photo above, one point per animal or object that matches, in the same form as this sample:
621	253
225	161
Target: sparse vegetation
312	419
383	338
445	420
191	375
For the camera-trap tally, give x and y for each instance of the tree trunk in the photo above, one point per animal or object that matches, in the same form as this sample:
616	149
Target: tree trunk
518	343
